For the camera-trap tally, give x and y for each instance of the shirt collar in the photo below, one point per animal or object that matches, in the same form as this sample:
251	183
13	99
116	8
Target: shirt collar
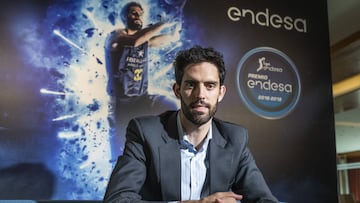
184	138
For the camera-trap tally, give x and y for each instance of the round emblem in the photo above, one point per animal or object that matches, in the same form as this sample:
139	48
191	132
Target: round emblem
268	82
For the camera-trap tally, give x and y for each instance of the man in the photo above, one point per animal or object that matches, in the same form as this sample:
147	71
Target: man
188	155
126	53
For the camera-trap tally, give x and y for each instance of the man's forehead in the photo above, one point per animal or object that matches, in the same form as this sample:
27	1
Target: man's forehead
191	76
202	66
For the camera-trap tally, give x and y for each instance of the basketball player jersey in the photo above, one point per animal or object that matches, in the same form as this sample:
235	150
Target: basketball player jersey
133	70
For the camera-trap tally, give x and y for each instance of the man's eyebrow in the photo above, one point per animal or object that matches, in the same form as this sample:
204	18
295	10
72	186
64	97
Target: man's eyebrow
212	82
206	82
190	80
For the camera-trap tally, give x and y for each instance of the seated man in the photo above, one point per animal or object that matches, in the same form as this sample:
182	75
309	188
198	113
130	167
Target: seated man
188	155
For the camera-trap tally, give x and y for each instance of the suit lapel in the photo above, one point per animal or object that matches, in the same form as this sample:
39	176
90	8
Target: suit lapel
170	162
170	171
220	163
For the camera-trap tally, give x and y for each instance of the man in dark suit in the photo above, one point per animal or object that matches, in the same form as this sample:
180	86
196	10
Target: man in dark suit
188	155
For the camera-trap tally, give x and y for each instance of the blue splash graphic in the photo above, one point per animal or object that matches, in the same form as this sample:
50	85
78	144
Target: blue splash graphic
69	43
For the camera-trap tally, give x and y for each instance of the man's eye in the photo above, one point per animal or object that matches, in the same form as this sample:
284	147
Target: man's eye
136	13
211	85
189	85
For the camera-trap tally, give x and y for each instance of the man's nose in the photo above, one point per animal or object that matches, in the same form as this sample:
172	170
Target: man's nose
200	92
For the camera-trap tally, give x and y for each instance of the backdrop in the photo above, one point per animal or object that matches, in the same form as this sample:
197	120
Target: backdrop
58	136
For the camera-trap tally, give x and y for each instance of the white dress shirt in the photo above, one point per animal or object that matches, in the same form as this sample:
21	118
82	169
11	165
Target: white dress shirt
193	166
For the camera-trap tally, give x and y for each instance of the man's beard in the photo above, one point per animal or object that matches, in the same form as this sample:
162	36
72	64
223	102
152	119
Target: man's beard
196	118
134	26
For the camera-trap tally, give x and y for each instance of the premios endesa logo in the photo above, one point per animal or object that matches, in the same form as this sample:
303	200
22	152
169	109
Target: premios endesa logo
268	82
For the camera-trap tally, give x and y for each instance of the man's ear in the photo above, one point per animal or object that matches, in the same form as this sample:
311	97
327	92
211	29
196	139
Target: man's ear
222	93
176	89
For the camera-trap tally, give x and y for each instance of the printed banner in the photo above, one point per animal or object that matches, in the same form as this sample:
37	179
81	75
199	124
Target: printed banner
65	101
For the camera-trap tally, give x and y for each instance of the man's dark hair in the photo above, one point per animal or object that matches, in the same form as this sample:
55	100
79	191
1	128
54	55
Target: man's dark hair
198	54
125	10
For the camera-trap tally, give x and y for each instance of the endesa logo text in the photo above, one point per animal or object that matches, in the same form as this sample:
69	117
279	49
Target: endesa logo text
267	19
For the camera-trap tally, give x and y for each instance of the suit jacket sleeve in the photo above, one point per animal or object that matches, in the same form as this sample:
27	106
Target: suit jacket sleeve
129	173
248	180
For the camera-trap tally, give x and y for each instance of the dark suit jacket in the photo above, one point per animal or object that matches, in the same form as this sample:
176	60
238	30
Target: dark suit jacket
150	167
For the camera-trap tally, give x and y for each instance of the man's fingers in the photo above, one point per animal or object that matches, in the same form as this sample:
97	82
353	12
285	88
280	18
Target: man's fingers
228	199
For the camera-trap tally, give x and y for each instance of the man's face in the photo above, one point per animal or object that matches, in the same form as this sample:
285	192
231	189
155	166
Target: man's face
200	92
134	18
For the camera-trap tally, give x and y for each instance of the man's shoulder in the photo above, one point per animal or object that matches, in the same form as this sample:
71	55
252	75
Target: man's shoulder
117	33
228	125
114	37
155	127
232	131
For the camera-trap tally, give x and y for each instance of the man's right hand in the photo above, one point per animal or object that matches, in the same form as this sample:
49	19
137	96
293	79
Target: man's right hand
219	197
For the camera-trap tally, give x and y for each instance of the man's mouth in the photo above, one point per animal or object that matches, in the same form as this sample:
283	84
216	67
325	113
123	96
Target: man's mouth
199	107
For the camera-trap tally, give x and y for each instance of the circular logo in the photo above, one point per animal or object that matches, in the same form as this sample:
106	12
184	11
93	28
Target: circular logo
268	82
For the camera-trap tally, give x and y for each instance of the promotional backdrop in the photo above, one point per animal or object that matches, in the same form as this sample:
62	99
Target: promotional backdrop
57	129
